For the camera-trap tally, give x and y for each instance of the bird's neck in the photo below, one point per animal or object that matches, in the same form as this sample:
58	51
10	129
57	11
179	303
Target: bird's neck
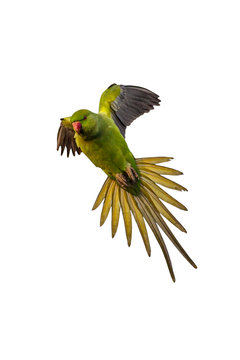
91	129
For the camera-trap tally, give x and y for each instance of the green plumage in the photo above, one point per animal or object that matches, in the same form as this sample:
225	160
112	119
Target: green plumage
131	184
102	142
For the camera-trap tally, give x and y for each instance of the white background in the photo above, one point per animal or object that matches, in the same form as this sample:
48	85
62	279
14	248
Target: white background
68	290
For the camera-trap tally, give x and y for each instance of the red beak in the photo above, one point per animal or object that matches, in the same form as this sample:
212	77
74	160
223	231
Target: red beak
77	126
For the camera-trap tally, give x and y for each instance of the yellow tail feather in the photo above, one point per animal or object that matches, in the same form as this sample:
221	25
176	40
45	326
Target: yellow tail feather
163	170
140	222
161	193
161	208
107	203
102	193
115	210
150	217
153	160
126	215
162	180
147	206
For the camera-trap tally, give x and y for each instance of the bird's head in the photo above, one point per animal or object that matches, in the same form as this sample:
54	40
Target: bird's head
79	120
84	123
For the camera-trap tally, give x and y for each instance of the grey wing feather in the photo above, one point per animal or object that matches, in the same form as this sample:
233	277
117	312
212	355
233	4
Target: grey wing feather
132	102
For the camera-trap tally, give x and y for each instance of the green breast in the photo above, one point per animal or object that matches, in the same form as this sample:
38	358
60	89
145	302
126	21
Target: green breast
108	150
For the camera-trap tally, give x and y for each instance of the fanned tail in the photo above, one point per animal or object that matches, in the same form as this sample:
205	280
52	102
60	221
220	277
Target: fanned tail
147	207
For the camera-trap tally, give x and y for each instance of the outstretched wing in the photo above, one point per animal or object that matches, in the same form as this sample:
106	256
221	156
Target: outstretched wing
124	103
65	138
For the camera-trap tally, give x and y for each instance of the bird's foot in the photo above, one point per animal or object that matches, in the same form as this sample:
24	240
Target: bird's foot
121	180
127	178
132	174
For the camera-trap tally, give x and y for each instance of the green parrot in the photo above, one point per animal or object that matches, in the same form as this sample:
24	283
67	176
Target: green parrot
131	184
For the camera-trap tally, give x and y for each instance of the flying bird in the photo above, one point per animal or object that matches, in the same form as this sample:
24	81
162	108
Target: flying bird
132	185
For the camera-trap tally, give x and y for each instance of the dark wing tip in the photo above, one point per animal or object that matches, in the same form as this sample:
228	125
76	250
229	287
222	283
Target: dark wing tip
65	139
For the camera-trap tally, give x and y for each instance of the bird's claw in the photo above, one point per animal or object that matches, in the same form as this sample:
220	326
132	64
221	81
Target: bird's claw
128	178
121	180
132	174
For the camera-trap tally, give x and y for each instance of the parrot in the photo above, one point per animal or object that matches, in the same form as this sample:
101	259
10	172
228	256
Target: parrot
133	186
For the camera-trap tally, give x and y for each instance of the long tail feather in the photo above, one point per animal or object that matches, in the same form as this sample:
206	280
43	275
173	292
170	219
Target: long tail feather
126	215
153	160
140	222
102	193
146	206
159	169
162	180
162	208
115	210
148	214
159	220
107	203
161	193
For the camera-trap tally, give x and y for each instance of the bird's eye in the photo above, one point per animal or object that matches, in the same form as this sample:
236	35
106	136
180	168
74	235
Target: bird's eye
84	118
